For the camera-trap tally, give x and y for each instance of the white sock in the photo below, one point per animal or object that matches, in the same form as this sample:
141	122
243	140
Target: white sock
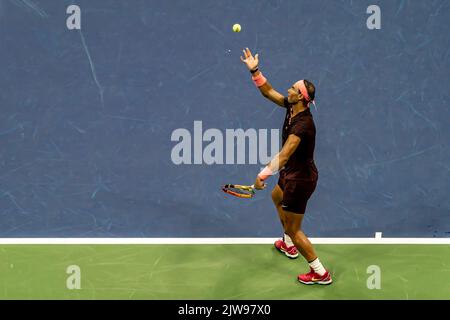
317	267
288	240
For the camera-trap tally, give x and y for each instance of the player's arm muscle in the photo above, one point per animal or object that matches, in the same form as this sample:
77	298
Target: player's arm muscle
288	149
280	160
270	93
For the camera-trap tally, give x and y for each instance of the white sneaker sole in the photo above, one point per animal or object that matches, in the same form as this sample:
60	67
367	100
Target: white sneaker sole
317	282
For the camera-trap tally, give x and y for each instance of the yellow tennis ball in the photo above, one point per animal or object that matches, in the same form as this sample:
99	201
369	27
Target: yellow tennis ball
237	27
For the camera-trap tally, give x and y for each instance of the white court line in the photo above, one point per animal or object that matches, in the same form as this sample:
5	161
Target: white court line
159	241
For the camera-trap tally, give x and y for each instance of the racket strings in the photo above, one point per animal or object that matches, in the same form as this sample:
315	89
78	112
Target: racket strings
239	191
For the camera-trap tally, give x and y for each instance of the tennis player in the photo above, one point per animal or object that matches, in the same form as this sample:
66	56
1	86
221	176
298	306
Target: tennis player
295	164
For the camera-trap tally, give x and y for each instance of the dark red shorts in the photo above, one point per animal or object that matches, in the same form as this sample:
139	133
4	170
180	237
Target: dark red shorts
296	193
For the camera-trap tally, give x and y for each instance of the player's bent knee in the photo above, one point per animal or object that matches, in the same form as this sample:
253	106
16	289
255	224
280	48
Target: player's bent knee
277	197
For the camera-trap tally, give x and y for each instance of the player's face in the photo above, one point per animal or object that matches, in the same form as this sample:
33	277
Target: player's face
293	95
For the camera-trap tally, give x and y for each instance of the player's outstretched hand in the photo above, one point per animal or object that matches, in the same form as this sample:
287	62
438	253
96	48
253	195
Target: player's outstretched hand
250	61
259	184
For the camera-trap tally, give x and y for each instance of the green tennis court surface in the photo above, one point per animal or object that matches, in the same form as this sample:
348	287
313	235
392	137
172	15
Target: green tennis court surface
220	272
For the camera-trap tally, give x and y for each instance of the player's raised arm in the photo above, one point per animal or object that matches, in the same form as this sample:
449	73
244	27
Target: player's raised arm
260	81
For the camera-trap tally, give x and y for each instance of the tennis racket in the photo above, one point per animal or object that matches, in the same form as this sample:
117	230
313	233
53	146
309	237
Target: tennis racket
239	191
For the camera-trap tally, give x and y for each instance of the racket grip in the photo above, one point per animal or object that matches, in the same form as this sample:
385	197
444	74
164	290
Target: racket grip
253	186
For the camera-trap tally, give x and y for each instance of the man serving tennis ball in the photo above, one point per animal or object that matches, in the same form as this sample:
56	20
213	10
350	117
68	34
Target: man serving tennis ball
295	163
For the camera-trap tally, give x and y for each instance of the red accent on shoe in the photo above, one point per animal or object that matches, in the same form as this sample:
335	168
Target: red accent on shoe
290	252
313	278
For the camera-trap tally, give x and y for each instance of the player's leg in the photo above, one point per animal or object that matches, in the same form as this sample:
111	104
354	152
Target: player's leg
295	198
318	274
300	240
285	244
277	198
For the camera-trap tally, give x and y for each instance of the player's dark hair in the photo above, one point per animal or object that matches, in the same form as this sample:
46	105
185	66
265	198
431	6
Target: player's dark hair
311	89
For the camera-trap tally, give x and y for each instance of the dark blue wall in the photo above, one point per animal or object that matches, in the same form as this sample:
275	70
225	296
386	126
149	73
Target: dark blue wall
86	117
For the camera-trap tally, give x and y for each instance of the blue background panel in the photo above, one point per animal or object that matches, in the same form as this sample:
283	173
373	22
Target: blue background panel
87	115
